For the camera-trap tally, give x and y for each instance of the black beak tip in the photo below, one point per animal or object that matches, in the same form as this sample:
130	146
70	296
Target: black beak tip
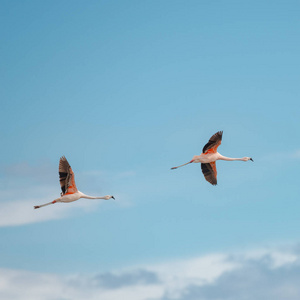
251	159
113	197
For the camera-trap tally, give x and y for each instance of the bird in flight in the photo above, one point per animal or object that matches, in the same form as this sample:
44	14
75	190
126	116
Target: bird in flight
69	191
209	156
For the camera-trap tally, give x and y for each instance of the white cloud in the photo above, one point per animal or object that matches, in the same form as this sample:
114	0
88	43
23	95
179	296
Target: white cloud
22	212
254	275
200	270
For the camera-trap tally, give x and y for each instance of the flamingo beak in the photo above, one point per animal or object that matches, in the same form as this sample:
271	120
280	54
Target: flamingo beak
113	197
251	159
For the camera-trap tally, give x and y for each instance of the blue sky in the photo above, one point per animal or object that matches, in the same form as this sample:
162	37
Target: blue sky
126	90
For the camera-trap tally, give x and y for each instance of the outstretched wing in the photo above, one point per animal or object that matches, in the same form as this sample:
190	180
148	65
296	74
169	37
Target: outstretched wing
213	143
210	172
66	177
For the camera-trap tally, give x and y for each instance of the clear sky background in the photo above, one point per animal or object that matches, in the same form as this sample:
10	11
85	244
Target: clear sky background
126	90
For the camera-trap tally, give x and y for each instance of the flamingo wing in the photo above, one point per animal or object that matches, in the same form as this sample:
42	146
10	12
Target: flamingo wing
66	177
210	172
213	143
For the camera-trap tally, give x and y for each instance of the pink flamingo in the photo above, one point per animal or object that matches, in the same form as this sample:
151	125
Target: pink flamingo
209	156
69	190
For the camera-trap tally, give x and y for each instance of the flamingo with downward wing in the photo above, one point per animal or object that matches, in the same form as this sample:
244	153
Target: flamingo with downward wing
209	156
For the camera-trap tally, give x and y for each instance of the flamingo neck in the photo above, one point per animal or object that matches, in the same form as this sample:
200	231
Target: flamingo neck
90	197
221	157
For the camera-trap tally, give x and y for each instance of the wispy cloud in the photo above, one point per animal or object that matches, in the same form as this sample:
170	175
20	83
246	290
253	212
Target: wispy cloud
255	275
41	172
21	212
296	154
22	186
282	156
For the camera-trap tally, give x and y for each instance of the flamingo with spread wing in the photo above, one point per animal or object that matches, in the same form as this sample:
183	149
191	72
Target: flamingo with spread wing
209	157
69	191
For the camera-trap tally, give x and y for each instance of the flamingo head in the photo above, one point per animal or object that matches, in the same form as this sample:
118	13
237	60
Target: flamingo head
247	158
109	197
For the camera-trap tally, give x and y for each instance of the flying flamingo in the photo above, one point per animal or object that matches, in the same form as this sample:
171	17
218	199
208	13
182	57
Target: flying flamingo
68	187
209	156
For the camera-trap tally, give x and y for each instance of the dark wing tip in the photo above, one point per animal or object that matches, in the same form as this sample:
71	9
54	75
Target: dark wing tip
213	141
208	173
63	161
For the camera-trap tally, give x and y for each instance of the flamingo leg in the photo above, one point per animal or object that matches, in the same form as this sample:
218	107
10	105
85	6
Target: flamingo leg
42	205
182	165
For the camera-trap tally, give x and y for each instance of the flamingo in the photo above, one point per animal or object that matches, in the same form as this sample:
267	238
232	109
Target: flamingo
69	190
209	157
